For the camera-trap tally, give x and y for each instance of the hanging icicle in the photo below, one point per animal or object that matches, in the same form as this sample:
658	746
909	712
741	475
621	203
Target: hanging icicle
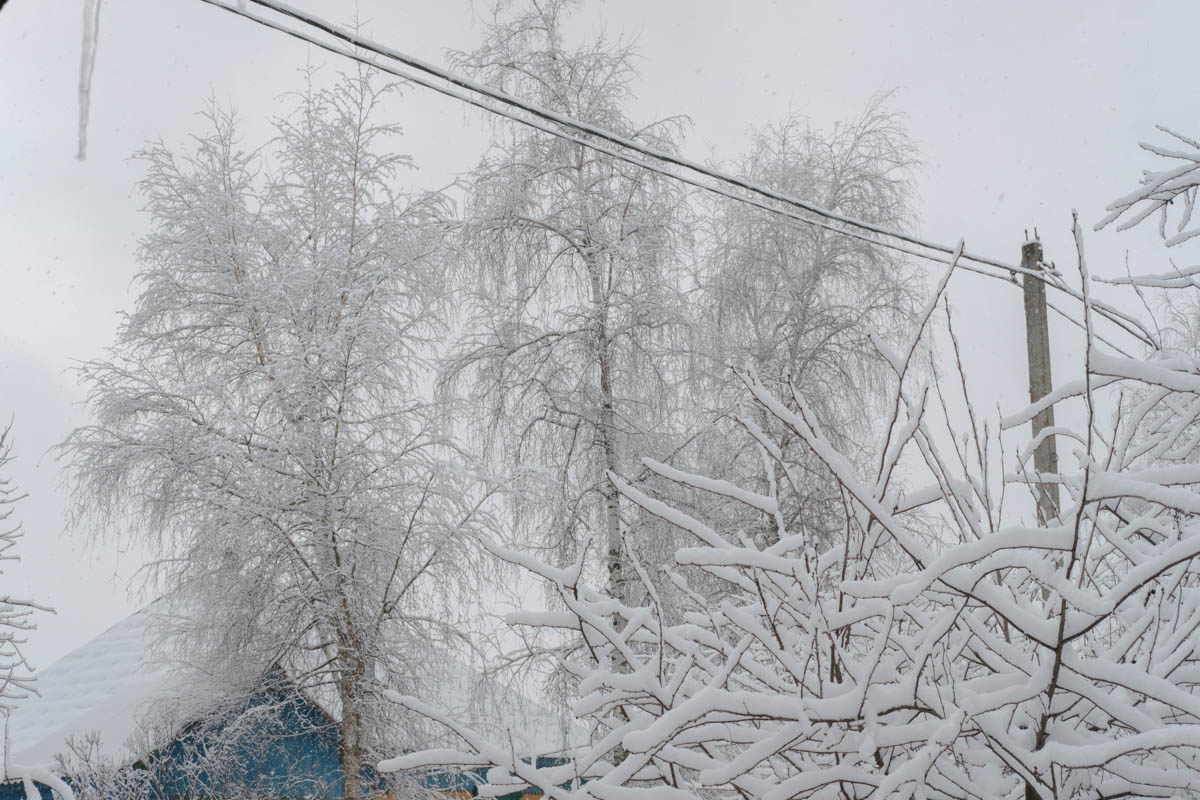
87	64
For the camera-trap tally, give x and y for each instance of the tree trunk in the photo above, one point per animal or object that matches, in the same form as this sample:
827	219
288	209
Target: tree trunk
606	433
618	580
350	747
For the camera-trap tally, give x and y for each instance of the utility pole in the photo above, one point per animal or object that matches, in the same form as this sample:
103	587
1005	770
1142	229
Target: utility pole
1037	348
1037	345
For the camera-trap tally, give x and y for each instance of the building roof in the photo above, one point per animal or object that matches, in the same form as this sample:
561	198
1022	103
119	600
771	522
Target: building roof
107	686
112	684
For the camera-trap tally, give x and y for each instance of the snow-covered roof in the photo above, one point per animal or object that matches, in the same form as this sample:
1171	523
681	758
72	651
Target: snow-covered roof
113	683
107	685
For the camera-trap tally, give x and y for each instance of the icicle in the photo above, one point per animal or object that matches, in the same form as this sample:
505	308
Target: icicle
87	64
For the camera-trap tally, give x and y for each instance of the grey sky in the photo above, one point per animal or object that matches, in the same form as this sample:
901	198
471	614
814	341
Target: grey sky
1022	110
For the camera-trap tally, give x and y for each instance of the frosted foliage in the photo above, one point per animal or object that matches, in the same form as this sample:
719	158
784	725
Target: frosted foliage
798	304
943	646
263	418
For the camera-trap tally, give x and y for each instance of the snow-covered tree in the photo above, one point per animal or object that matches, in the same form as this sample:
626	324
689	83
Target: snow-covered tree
16	676
798	304
263	419
572	287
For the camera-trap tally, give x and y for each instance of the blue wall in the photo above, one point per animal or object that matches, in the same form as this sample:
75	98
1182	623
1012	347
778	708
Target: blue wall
281	746
15	790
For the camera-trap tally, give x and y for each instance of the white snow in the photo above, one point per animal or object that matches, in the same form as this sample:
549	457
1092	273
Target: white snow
107	685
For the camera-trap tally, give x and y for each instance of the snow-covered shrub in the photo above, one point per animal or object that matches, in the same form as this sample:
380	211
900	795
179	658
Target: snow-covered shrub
944	645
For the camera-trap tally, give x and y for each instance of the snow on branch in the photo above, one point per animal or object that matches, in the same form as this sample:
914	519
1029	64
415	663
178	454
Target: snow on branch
1160	190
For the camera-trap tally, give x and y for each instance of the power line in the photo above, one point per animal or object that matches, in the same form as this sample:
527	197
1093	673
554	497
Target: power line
1127	323
618	154
853	227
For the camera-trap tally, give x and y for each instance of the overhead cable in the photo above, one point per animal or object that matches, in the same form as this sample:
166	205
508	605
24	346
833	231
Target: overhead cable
846	226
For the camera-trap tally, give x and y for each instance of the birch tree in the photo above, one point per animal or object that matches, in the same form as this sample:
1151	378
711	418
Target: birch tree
572	286
799	303
262	419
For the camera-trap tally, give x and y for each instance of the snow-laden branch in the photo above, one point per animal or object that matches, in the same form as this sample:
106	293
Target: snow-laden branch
940	647
1160	191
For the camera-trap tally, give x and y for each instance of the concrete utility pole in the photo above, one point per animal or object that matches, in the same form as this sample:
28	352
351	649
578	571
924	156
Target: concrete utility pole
1037	342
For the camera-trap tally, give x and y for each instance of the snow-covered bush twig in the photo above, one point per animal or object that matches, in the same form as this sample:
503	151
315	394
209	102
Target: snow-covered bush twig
941	647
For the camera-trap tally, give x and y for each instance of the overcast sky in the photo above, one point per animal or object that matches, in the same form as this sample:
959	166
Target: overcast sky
1022	111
